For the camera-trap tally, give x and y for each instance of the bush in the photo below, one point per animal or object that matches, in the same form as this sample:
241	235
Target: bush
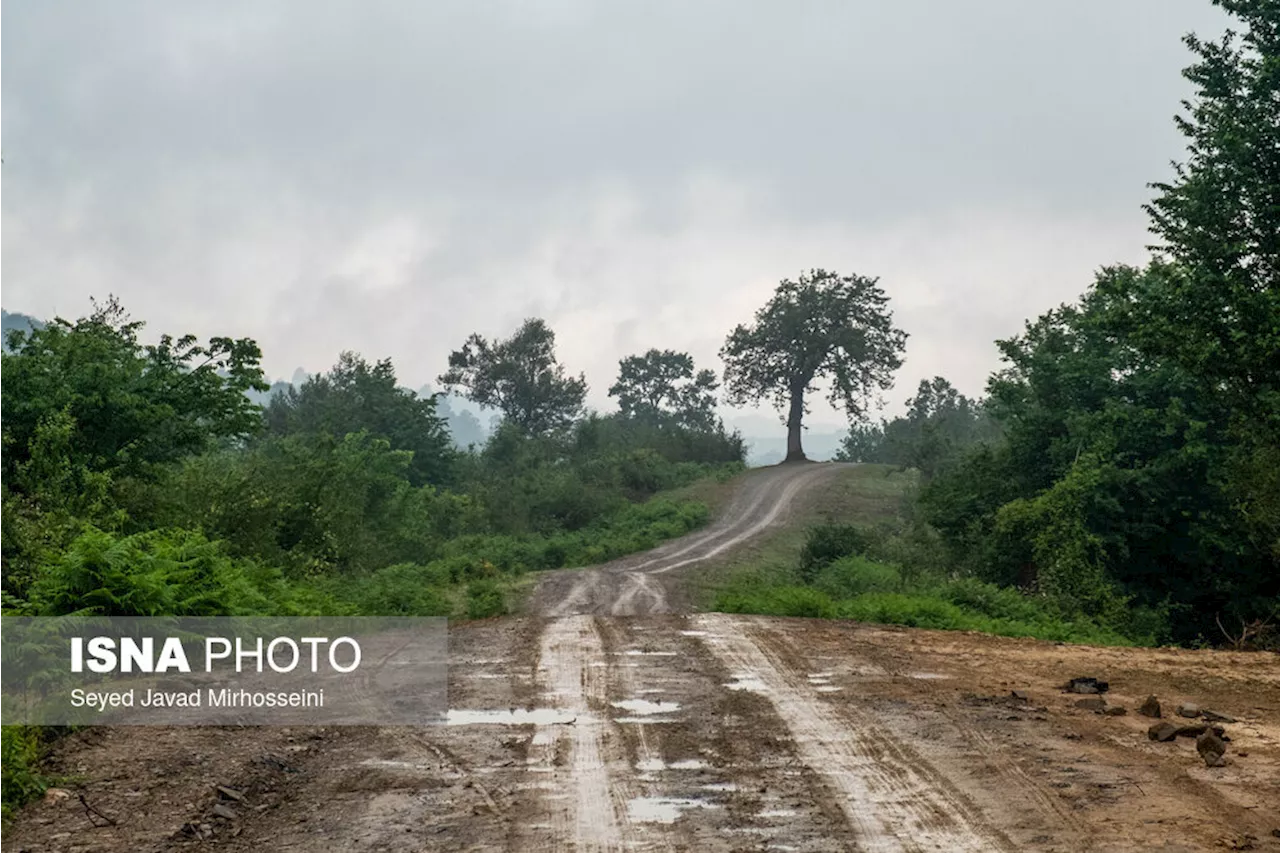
778	601
853	576
405	589
21	782
827	543
161	573
485	599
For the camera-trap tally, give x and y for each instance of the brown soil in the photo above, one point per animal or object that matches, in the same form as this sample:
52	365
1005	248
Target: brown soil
713	733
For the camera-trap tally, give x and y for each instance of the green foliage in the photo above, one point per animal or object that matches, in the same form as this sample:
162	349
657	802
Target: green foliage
158	573
1119	476
21	782
520	376
939	426
849	577
86	397
359	397
824	326
312	503
405	589
662	387
485	599
867	591
1218	314
827	543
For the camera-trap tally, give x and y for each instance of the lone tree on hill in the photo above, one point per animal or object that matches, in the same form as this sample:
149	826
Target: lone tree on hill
824	326
520	376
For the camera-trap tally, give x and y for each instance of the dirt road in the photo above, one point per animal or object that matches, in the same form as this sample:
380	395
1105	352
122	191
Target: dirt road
577	728
647	584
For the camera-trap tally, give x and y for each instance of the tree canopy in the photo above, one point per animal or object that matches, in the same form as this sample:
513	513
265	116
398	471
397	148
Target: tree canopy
358	396
940	425
662	385
822	327
91	395
519	376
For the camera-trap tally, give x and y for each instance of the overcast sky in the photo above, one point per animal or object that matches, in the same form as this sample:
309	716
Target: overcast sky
389	177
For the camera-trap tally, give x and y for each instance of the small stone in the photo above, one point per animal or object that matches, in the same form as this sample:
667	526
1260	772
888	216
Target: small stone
231	793
1211	749
1093	703
1115	711
1197	729
56	795
1189	710
1215	717
224	811
1150	708
1162	732
1021	695
1086	685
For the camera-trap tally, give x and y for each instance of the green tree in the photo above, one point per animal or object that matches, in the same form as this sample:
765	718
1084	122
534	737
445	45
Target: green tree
1215	308
520	377
824	326
1216	311
358	396
116	405
1112	476
662	385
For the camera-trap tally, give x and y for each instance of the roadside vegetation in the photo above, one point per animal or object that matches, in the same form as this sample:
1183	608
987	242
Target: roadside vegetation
1120	480
860	555
142	480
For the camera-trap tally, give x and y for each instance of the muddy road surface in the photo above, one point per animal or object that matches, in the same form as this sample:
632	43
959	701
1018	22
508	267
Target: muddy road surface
603	721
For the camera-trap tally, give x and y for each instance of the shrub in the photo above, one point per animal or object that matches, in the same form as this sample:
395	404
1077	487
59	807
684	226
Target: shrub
161	573
405	589
485	599
21	782
829	542
853	576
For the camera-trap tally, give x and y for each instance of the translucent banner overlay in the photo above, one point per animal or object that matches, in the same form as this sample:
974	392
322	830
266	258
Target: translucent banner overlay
186	671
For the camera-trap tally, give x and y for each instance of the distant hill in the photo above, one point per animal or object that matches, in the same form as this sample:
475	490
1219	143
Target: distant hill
772	449
17	322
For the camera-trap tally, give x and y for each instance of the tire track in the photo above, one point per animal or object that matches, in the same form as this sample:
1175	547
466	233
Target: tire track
894	800
626	587
590	817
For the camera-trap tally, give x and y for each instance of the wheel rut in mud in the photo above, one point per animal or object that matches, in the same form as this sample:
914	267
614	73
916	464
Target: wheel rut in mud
603	722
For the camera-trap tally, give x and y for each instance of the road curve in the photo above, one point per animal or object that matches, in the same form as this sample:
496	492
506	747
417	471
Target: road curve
640	585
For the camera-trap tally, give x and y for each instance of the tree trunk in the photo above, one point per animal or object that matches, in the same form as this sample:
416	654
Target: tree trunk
795	453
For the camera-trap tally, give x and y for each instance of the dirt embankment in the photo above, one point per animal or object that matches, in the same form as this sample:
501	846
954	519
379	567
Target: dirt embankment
595	732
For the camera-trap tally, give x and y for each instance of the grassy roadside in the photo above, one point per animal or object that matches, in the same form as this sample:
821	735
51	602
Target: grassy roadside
850	552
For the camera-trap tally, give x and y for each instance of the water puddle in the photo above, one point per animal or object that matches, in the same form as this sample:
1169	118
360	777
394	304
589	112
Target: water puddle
747	681
391	763
644	720
779	813
639	653
644	706
927	675
655	765
513	717
662	809
827	688
821	675
693	633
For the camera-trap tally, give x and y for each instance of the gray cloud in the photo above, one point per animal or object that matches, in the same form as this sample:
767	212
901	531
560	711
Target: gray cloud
388	177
